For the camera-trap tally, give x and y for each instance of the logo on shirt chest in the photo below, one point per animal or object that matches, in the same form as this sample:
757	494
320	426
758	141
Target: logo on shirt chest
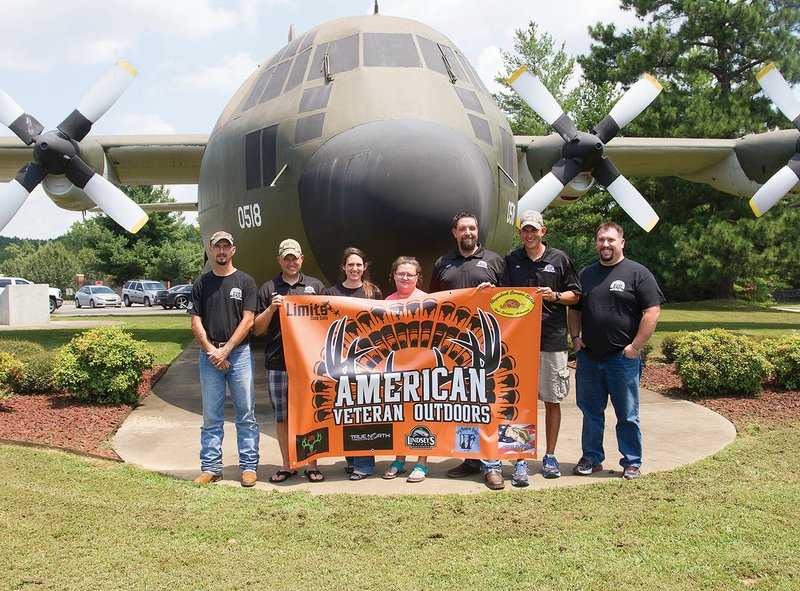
548	268
482	265
617	285
236	294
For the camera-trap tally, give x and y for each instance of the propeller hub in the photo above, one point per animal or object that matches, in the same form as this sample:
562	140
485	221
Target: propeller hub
586	150
52	150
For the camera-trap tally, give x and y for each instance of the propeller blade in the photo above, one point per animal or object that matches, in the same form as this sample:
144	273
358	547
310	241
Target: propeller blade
777	89
636	100
776	187
98	100
24	126
114	203
549	186
535	93
625	194
14	193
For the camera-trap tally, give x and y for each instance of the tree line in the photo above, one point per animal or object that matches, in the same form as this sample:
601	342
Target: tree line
706	53
166	248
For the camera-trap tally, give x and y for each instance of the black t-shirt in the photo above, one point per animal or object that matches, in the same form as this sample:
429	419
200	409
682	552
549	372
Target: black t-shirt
349	292
221	302
554	270
613	300
273	352
453	271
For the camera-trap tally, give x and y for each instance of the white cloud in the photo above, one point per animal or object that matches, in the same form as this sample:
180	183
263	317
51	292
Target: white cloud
132	124
226	77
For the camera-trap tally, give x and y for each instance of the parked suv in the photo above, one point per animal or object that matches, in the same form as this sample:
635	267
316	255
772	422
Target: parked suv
140	291
56	300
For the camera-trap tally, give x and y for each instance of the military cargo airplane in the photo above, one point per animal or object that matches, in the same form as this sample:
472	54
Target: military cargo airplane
370	131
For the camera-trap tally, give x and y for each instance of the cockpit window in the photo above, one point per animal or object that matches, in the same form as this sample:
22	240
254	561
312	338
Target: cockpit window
342	56
298	70
291	49
455	66
258	87
275	84
432	55
390	49
307	41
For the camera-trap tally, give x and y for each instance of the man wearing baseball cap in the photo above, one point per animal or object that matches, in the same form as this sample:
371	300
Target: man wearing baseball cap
223	305
536	264
290	281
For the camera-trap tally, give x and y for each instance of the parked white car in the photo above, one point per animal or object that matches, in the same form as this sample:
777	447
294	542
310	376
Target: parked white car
55	294
97	296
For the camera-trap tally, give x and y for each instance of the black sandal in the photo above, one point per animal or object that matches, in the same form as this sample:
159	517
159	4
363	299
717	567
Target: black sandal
282	476
319	476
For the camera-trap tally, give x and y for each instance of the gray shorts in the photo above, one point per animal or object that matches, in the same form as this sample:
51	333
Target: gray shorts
553	376
278	387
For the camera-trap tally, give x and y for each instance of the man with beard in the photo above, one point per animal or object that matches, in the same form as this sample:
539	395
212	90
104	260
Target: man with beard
539	265
610	325
470	265
223	307
290	281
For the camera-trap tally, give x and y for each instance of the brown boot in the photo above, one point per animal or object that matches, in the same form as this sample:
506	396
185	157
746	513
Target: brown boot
207	478
249	478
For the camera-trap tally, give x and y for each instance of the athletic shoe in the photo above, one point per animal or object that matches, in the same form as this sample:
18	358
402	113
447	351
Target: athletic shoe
550	467
631	472
521	474
584	467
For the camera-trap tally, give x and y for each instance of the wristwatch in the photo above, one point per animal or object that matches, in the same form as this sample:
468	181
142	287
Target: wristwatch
558	295
636	347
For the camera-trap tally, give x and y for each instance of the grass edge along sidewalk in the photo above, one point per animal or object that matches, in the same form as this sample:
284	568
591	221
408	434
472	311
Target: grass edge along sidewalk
726	522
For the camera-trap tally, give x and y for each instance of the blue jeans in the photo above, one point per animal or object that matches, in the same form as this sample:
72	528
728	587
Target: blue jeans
595	381
486	465
365	464
239	378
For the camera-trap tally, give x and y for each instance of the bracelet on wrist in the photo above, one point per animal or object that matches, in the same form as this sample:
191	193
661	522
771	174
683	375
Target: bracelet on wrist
577	336
635	346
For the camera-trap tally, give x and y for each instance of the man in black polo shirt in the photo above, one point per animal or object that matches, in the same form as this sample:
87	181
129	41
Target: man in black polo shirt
290	281
223	305
470	265
551	271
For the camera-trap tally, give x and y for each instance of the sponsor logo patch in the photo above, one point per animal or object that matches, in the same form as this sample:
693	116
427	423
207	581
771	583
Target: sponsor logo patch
420	438
516	438
368	437
512	303
312	444
468	439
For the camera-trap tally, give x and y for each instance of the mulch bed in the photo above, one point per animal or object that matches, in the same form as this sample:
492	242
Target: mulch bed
60	420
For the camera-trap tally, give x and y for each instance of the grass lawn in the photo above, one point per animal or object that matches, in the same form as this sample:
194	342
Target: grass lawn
727	522
168	335
739	317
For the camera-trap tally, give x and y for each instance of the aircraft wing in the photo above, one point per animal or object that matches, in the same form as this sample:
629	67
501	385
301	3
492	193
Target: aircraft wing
738	166
130	159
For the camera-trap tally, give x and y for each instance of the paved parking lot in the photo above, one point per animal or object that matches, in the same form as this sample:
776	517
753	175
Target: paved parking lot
69	309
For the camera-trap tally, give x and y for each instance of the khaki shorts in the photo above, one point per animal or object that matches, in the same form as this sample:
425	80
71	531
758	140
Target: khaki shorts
553	376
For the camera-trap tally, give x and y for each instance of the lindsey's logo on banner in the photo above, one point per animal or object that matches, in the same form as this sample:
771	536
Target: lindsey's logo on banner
420	438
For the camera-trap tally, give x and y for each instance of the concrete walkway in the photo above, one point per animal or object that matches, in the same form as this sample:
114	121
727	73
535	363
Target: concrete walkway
163	434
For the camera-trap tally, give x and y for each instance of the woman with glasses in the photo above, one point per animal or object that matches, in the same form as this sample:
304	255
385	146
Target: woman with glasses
405	274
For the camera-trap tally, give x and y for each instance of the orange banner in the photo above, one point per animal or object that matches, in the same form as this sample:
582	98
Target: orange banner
453	373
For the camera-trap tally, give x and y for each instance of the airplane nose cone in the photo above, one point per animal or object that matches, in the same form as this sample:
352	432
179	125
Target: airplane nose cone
408	177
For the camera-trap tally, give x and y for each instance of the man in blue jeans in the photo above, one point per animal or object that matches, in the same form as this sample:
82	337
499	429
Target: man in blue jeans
224	302
616	316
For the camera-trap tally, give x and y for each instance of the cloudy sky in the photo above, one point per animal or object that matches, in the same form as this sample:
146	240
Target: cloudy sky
192	55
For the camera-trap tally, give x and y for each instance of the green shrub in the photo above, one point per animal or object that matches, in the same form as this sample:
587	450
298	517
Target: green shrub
21	349
668	346
37	376
10	372
103	365
718	363
784	354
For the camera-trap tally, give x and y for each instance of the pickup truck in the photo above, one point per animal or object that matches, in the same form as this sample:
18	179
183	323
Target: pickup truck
56	301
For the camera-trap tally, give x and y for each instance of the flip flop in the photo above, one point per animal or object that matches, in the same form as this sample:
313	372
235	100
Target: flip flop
418	474
399	468
358	476
282	476
318	476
